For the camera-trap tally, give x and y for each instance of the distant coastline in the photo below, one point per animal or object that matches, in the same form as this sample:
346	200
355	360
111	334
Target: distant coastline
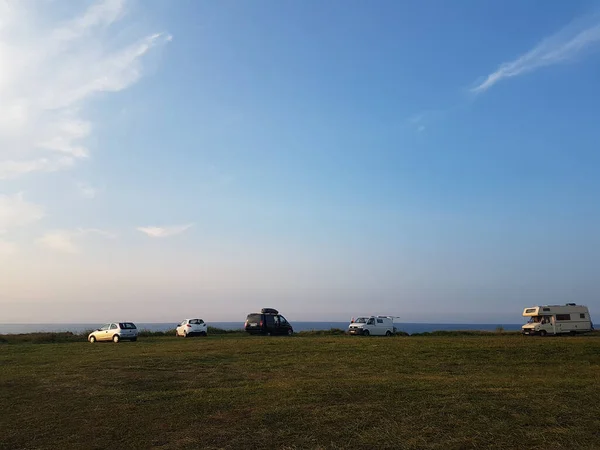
298	326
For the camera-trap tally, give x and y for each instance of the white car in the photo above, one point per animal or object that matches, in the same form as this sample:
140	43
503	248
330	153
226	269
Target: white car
191	327
115	332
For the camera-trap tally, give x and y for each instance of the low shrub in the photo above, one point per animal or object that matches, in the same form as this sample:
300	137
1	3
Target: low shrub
151	333
330	332
215	330
42	338
463	333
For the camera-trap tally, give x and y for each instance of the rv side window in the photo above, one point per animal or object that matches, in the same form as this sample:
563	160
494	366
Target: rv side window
582	316
379	320
530	310
563	317
546	309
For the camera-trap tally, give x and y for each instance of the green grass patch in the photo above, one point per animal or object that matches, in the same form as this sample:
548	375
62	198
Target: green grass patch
235	391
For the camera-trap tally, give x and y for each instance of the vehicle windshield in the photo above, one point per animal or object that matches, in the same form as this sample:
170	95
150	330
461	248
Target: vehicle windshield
361	320
540	319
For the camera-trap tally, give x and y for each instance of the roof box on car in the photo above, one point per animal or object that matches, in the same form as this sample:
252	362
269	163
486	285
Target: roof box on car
269	311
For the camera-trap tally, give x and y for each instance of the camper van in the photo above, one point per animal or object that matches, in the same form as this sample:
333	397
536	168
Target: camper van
373	325
557	319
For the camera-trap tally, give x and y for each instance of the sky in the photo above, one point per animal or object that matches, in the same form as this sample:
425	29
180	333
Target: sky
437	161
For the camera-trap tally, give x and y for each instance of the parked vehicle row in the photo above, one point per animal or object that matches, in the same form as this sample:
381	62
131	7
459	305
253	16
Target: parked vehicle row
267	322
543	320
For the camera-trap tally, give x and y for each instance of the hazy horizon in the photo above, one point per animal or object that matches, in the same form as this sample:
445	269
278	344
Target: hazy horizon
326	159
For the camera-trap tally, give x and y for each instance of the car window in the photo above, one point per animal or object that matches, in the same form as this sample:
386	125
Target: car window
113	326
270	320
379	320
127	326
253	318
105	327
371	322
283	320
196	321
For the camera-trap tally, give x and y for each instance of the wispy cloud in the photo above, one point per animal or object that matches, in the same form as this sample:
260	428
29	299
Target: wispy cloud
416	122
565	46
15	212
97	231
70	241
48	74
87	191
419	122
160	232
61	241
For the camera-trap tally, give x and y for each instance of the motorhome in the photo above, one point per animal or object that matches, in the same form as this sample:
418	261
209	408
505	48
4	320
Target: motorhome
372	325
557	319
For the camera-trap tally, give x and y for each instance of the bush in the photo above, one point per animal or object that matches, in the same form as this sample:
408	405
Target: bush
463	333
150	333
42	338
330	332
215	330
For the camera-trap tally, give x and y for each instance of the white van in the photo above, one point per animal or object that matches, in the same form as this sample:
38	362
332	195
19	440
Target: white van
373	325
557	319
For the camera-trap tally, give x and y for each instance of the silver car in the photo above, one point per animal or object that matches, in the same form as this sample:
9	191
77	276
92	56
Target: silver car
115	332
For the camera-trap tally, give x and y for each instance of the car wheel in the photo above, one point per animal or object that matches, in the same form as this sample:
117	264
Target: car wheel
204	334
116	338
290	332
185	334
176	333
543	333
92	339
366	333
268	333
388	333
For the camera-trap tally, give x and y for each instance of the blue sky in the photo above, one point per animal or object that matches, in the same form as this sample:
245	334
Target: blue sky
436	161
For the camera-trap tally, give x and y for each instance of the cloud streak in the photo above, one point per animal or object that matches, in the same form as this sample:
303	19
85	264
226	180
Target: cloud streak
161	232
563	47
50	73
16	212
69	241
87	191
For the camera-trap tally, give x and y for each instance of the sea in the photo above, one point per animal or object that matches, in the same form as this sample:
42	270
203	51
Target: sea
298	326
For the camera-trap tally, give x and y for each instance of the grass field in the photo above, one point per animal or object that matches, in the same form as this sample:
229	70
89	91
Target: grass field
232	391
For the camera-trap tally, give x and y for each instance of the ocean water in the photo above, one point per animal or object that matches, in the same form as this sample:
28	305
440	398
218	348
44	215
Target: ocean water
298	326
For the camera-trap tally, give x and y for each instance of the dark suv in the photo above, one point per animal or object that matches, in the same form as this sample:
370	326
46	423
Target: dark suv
268	321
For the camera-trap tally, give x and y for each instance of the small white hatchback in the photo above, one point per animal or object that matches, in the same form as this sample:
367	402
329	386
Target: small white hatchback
115	332
191	327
